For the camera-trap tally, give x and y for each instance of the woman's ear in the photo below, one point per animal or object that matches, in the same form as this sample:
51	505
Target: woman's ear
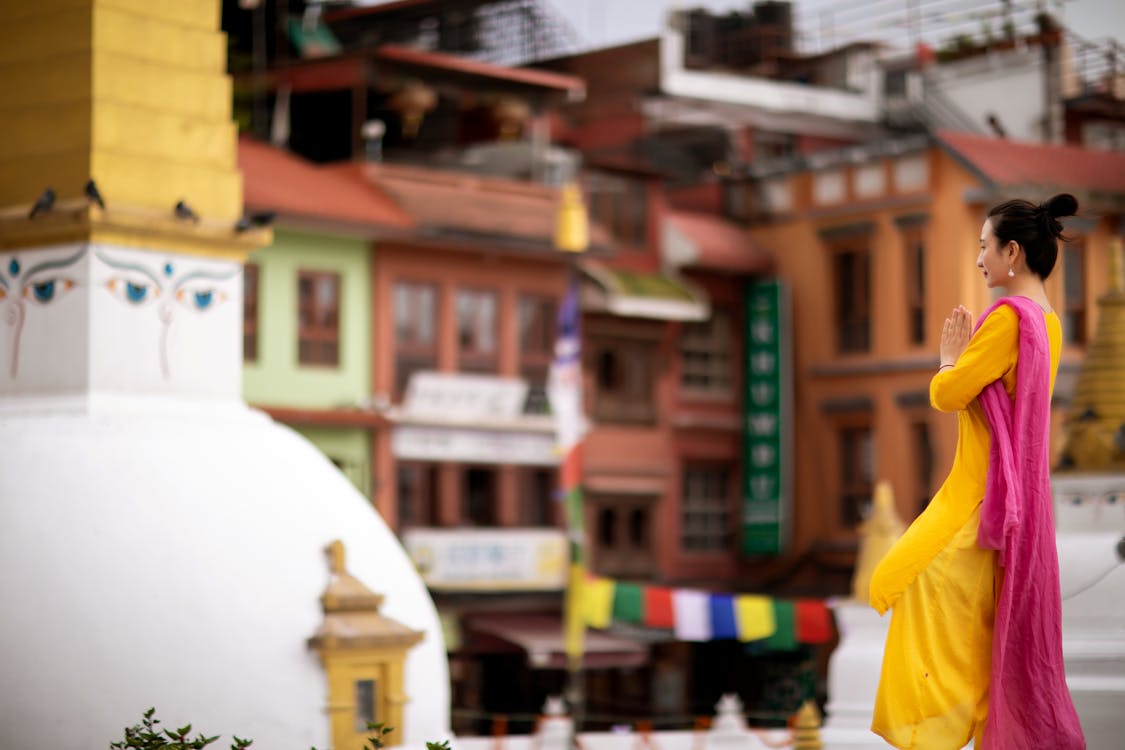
1012	249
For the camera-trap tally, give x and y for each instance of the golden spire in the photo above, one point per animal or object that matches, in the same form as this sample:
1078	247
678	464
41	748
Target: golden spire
1095	436
806	735
572	226
877	535
133	99
337	560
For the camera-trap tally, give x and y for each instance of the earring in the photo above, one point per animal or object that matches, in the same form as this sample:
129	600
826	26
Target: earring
1011	274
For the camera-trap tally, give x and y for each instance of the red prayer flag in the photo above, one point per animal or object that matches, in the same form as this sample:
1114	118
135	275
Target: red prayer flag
570	475
813	621
658	611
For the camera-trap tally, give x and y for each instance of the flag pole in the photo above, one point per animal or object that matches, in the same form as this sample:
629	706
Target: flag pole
565	394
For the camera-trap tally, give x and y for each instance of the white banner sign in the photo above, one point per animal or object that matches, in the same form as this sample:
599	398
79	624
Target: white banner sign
455	397
474	560
466	445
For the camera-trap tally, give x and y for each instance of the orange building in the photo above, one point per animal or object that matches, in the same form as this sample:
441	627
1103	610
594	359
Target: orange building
878	243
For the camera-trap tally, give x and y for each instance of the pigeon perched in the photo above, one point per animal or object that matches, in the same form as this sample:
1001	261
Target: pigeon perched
184	211
43	204
93	194
255	220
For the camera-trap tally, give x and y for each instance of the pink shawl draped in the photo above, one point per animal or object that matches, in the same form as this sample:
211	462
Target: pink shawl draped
1029	704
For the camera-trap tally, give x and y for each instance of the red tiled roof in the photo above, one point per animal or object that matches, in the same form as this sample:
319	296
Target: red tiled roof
717	244
470	205
454	64
276	180
1007	162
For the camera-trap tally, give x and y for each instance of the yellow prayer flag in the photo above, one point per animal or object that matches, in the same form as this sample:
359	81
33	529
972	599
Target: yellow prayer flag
598	594
754	617
575	624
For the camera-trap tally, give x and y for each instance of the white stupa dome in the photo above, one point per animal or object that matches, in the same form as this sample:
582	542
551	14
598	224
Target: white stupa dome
174	557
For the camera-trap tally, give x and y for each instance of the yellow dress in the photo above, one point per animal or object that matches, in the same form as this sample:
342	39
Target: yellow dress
933	690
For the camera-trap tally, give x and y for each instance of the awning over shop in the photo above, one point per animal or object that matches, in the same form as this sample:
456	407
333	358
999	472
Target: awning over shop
704	241
612	484
541	636
631	294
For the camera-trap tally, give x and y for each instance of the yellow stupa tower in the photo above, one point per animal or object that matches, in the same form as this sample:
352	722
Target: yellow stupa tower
134	95
1095	439
162	530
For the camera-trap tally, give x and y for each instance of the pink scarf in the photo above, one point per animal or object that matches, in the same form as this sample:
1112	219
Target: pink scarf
1029	704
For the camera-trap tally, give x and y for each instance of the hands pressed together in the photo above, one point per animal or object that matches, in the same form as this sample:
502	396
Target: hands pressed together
955	335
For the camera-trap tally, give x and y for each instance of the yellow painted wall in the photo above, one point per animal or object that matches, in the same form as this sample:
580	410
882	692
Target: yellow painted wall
130	92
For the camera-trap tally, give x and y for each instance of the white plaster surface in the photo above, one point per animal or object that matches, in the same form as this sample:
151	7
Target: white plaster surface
172	556
92	318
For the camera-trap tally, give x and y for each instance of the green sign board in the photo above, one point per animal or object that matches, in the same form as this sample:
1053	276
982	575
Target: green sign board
766	420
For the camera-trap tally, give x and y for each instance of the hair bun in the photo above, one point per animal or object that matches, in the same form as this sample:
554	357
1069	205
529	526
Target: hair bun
1063	204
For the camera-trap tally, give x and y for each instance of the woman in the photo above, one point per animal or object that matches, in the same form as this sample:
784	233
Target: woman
974	650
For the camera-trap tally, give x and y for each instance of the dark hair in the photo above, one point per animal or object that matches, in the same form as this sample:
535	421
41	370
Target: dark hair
1036	229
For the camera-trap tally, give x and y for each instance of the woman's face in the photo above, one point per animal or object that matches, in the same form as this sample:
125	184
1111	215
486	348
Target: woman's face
992	261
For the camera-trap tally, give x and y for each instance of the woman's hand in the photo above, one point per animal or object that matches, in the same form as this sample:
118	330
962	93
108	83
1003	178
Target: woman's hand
955	335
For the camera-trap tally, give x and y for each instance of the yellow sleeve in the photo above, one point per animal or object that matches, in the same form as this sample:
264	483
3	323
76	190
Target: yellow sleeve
990	354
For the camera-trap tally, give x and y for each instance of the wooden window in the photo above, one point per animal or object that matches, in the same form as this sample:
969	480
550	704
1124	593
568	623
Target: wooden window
536	345
415	311
478	496
538	489
417	495
705	510
857	471
477	327
318	318
915	285
923	462
705	352
1074	283
852	282
623	534
620	204
250	312
623	371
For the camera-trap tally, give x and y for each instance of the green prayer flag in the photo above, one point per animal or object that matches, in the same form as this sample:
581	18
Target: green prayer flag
784	638
628	603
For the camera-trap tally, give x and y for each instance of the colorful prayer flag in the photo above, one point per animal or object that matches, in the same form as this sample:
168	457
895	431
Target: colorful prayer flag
754	615
627	602
658	607
723	625
783	638
598	602
693	615
813	621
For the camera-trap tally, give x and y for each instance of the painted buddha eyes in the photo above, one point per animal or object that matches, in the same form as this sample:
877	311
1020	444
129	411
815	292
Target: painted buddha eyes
201	299
132	291
48	290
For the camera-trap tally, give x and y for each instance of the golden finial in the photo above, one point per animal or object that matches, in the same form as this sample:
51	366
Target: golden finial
877	535
807	734
336	557
572	226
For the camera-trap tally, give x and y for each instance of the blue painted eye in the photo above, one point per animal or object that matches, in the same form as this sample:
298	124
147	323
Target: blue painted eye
14	267
48	290
44	292
200	299
136	293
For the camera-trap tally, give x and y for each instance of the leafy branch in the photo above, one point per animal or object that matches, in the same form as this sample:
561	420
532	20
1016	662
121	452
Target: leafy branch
149	736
